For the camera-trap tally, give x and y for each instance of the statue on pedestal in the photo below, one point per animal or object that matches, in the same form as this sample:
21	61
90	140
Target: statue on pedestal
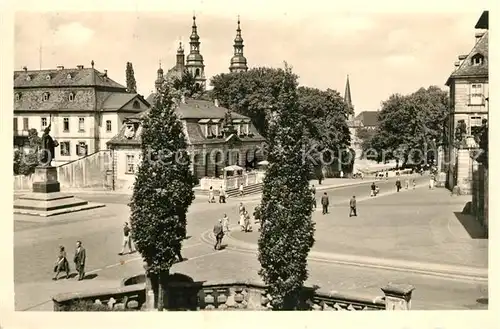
48	148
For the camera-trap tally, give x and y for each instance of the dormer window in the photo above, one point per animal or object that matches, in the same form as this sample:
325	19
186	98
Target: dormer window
47	77
45	97
247	128
18	96
68	76
136	105
204	124
477	59
28	78
71	97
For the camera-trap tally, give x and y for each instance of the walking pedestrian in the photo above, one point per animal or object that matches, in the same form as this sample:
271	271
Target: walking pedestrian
313	191
222	195
127	241
325	202
246	222
386	175
79	260
225	223
211	198
431	182
373	187
352	204
241	190
414	183
62	264
218	234
398	184
341	174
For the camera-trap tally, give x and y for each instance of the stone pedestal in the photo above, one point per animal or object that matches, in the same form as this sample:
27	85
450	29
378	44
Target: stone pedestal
45	180
46	199
398	297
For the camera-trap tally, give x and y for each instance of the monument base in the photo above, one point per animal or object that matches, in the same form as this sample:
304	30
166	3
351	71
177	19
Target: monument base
46	199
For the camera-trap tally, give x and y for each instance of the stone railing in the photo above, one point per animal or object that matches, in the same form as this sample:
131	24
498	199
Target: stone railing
251	178
235	295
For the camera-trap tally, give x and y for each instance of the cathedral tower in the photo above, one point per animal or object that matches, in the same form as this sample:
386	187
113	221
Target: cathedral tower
180	58
238	62
194	61
347	98
159	79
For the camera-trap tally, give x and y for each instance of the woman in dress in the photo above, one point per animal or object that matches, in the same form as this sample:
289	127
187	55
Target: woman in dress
248	225
62	264
242	218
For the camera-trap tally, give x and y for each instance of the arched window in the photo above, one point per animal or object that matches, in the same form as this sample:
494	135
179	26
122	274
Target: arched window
196	164
18	96
237	158
197	73
71	97
207	160
477	59
45	97
136	105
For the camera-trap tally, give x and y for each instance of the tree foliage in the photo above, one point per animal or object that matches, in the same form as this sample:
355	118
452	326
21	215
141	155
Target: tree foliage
163	189
287	231
129	74
365	135
411	126
186	85
26	160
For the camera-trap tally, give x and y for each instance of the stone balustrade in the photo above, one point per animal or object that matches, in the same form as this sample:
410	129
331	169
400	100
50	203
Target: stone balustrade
234	295
232	182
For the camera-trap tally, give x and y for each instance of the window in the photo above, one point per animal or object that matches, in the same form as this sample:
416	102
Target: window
197	74
45	97
66	124
65	148
25	124
136	105
68	76
475	124
130	164
44	123
247	128
15	124
81	124
18	96
476	94
47	77
108	125
238	127
81	149
477	59
28	78
71	97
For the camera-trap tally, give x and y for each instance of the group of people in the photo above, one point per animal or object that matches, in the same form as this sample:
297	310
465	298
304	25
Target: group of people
222	193
62	263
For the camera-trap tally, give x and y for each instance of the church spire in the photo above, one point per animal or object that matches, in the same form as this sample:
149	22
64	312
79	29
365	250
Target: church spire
180	57
348	99
159	79
238	62
194	61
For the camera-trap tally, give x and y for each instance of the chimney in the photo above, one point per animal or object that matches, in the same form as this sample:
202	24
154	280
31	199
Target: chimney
80	67
479	35
216	102
25	69
462	57
60	67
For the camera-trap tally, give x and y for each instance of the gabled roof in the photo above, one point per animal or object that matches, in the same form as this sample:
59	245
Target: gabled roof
368	118
466	68
116	101
85	77
200	109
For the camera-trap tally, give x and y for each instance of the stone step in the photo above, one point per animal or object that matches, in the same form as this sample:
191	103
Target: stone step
48	205
45	196
43	213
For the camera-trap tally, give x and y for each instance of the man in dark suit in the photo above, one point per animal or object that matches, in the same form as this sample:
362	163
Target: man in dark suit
325	202
219	234
79	260
352	204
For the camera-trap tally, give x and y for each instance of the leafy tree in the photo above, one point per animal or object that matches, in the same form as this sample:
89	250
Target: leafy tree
25	161
253	93
411	126
163	191
187	85
129	73
287	231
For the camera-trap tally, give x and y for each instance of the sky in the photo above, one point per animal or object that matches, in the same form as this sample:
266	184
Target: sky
382	52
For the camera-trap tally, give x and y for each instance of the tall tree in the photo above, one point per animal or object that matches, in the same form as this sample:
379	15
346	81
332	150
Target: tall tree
129	73
411	126
253	93
163	190
287	231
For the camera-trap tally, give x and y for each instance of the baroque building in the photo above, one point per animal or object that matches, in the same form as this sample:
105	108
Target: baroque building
215	136
84	108
469	106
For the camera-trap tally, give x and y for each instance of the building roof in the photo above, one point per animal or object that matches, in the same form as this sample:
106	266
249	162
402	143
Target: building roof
467	68
190	113
482	23
83	77
368	118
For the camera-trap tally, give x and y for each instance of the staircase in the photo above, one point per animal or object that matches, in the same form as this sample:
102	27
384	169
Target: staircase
234	192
